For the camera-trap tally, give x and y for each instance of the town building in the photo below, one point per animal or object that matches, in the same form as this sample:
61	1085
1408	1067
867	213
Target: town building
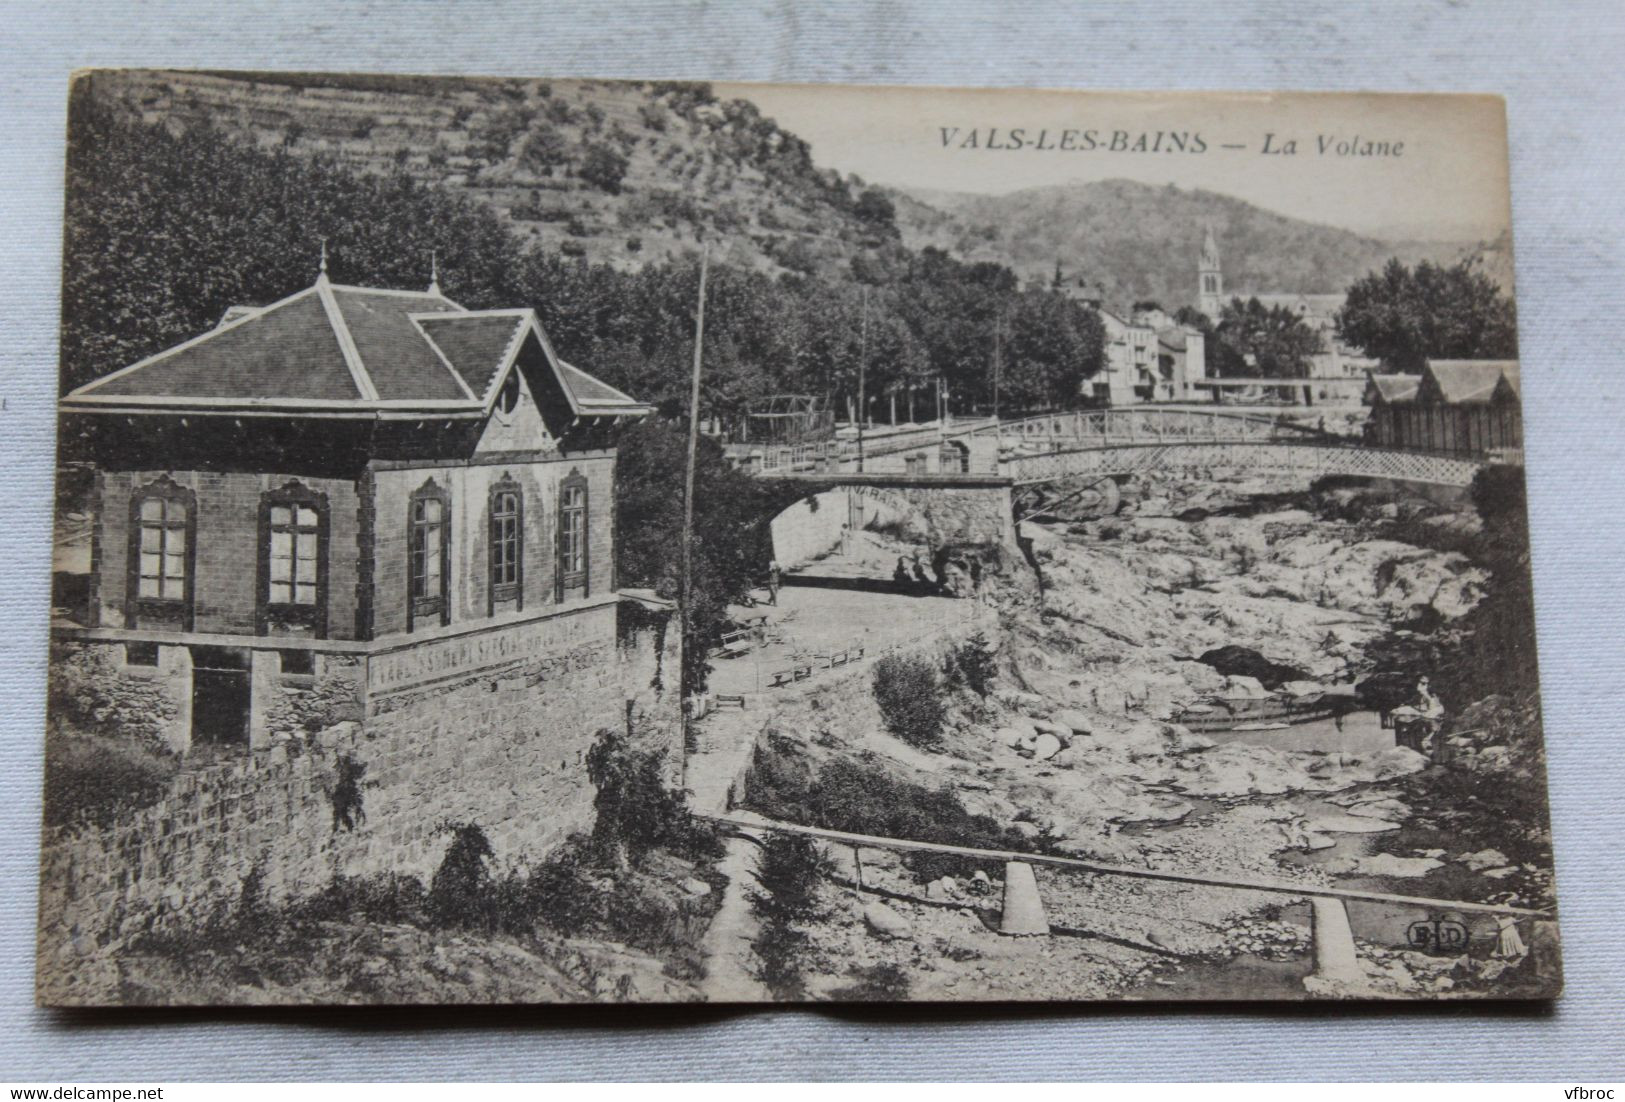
1465	406
351	578
1149	357
352	507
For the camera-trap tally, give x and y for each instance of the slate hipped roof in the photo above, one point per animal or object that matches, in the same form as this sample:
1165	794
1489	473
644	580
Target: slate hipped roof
333	350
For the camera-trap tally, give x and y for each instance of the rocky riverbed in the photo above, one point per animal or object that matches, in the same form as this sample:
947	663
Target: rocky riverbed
1077	749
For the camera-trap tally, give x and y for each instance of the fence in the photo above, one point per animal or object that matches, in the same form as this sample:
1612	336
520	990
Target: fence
1335	956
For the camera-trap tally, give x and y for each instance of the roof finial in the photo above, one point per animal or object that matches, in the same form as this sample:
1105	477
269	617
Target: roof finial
321	274
434	273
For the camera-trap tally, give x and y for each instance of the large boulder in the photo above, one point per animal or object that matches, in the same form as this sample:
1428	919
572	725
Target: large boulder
1022	725
1483	859
1051	727
1009	736
1239	687
1073	720
885	923
1046	746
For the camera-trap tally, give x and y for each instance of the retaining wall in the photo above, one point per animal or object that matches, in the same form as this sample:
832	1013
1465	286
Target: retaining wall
502	748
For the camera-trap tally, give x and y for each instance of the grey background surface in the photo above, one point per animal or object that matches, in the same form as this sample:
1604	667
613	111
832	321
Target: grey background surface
1558	66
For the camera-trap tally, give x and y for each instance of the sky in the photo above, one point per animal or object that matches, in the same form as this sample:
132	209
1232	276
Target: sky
1447	180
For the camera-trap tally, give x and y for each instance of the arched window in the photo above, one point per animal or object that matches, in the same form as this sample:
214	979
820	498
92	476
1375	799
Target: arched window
163	530
573	516
507	580
292	593
428	555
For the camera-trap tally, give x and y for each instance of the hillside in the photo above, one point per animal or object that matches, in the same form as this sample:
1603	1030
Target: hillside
1142	241
618	172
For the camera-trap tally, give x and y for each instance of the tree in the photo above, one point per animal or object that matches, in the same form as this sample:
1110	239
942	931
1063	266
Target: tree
1405	317
731	510
1269	341
877	210
1052	344
165	230
603	168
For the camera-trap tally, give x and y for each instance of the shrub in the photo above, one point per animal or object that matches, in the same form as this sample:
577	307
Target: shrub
543	151
636	811
910	699
387	897
460	893
875	983
348	809
973	664
93	778
603	168
854	797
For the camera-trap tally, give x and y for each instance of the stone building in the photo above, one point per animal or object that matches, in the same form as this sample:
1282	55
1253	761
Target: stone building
376	481
1149	356
352	572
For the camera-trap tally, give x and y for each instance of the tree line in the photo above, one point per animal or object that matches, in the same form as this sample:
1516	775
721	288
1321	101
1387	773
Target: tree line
167	229
1400	316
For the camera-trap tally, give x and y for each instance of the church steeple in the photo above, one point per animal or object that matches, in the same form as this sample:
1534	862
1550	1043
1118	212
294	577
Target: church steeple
1210	280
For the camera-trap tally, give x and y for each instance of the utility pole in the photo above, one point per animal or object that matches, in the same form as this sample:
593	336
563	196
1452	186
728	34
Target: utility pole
683	600
863	365
998	360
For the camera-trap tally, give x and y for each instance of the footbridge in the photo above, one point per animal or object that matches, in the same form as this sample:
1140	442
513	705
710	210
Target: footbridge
1120	442
1104	443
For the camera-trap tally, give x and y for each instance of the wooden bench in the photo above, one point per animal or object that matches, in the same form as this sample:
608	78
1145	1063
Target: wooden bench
726	701
803	672
735	643
783	677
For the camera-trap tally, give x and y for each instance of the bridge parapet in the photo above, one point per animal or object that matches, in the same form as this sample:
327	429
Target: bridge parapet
1053	446
1313	459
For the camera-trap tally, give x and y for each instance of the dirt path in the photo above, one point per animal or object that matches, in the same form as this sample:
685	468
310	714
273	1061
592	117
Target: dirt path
728	977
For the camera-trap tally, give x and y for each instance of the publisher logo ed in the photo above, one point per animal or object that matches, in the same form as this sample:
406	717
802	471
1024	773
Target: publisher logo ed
1438	935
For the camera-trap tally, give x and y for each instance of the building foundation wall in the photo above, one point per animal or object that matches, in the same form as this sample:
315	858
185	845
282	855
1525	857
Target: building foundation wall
501	747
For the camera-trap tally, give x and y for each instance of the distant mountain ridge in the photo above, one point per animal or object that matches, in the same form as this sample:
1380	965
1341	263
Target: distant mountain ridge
1141	241
631	173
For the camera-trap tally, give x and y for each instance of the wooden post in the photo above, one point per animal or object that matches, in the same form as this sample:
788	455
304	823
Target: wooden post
863	364
1336	960
1023	914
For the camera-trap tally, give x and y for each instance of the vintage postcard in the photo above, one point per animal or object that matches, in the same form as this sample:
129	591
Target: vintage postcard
532	541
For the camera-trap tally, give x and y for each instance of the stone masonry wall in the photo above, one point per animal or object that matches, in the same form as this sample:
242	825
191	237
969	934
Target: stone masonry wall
92	686
503	748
